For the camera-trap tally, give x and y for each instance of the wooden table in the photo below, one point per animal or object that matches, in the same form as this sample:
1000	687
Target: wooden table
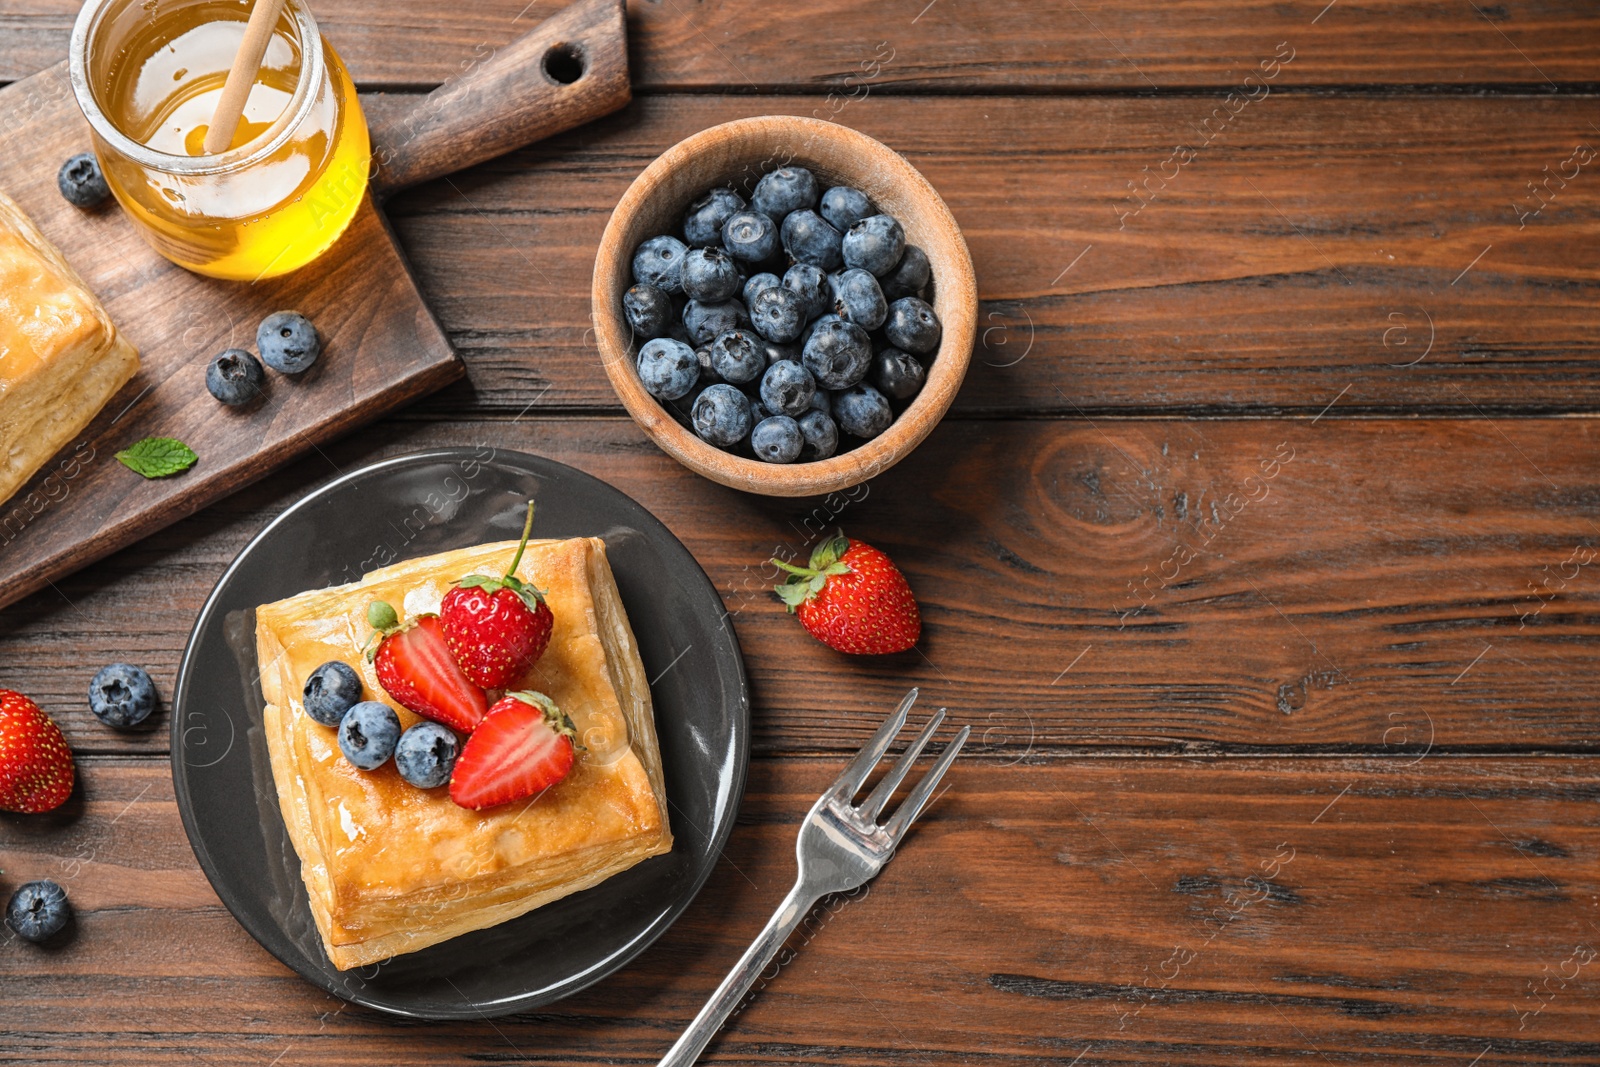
1260	551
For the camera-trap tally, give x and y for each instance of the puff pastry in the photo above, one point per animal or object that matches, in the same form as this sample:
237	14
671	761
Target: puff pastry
61	359
390	868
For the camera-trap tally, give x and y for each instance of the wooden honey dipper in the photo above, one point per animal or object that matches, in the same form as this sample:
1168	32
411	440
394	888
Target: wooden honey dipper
242	76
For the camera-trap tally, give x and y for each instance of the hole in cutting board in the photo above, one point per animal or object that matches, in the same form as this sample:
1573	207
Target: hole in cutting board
563	64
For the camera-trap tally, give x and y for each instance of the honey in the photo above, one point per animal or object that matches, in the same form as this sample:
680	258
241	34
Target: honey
296	171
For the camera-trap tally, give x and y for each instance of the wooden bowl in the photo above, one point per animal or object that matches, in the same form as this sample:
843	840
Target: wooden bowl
737	154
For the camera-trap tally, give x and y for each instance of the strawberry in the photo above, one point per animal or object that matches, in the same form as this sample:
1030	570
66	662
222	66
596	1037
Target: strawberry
415	667
524	746
36	772
497	628
852	598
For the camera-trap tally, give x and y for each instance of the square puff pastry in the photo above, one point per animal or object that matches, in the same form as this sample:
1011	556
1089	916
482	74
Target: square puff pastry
60	357
390	868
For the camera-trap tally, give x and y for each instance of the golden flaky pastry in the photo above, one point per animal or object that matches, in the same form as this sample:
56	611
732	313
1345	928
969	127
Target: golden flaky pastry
391	868
60	357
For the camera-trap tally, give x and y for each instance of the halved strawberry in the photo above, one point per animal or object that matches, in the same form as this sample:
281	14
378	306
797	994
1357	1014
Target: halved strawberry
36	771
497	628
415	667
524	746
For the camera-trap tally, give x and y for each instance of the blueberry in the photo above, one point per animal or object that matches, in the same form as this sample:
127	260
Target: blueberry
812	326
910	276
810	284
862	411
680	408
912	325
777	440
874	244
38	910
287	342
820	434
367	734
758	410
708	371
774	351
784	190
679	332
738	357
330	691
822	400
722	416
122	695
757	282
896	374
648	310
667	368
843	207
808	238
709	275
426	755
659	262
838	354
750	236
705	321
235	377
702	223
787	388
857	298
778	314
81	182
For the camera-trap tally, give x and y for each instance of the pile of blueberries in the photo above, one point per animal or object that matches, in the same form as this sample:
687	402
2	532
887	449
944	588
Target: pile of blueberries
789	328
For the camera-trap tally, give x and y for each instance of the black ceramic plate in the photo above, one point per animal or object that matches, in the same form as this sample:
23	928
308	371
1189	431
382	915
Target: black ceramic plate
414	506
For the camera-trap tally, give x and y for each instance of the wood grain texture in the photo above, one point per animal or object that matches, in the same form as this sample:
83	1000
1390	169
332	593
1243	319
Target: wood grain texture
1121	911
1291	770
1318	244
571	69
1386	586
949	47
382	348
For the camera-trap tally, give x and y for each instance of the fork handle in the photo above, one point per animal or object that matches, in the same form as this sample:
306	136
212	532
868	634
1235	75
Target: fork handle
794	908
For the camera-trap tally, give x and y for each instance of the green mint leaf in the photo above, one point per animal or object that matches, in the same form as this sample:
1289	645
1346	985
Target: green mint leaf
158	457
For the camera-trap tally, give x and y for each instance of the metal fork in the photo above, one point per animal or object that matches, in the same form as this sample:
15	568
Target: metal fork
841	847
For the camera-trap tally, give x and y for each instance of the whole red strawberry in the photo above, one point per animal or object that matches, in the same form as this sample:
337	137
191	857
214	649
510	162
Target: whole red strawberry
36	771
523	746
852	598
497	628
415	667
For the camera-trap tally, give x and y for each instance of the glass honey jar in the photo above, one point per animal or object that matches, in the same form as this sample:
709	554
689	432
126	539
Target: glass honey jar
147	75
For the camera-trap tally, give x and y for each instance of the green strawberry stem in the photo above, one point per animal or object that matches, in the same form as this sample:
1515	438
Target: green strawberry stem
383	620
804	583
527	528
531	595
380	616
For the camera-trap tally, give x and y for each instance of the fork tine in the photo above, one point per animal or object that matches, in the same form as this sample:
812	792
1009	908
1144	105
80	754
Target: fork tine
857	770
897	774
908	811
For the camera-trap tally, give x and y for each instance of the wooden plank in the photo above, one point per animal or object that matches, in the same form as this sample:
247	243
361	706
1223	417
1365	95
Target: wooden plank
383	348
1091	45
1119	911
1318	244
1389	586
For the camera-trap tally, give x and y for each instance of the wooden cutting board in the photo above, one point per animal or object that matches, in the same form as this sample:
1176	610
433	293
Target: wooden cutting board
382	346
